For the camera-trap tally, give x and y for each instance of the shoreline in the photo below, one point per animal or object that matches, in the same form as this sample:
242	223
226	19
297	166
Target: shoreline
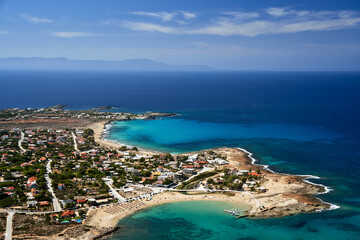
101	128
112	220
100	132
305	179
286	194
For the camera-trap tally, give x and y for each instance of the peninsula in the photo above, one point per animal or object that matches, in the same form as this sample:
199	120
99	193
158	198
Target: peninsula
60	179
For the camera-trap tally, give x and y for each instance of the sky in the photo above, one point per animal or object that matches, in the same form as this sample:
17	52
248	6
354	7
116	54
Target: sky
250	35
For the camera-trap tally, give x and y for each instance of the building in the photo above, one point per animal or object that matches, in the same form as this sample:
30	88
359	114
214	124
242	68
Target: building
31	203
61	186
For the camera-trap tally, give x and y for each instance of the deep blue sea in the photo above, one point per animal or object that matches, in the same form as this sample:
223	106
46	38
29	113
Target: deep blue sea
296	122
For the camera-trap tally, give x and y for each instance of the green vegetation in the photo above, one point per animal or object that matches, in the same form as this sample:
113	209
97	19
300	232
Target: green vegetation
185	185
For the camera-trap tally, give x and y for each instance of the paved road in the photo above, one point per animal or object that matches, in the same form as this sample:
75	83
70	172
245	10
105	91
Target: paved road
27	212
20	141
205	169
8	233
57	206
109	182
75	143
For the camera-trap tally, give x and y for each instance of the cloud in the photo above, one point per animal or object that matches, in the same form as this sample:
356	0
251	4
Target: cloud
164	16
242	15
3	32
74	34
35	20
188	15
282	21
142	26
277	12
168	16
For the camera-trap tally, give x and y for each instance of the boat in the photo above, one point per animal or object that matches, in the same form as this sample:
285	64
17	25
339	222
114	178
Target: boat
234	212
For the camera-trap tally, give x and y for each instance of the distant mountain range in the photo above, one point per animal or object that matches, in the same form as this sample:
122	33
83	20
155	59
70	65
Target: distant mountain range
36	63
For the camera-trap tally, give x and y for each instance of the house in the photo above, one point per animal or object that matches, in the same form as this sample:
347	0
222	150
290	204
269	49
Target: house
189	171
81	200
31	183
68	213
255	174
44	203
68	201
31	203
179	176
33	191
79	132
61	186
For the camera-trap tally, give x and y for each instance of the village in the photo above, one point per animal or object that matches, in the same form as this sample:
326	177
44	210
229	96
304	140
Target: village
63	173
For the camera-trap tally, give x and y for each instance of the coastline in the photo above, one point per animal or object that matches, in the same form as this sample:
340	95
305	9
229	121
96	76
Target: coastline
286	194
111	220
100	129
305	179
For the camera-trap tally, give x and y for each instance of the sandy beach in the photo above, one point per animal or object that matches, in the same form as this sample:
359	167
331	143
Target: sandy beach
285	194
108	216
100	127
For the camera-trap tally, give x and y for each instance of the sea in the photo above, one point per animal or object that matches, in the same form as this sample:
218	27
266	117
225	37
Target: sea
303	123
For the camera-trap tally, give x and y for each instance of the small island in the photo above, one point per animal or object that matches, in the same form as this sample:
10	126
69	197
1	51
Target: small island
60	179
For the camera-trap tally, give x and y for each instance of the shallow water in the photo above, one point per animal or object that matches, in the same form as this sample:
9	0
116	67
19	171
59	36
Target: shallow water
296	122
206	220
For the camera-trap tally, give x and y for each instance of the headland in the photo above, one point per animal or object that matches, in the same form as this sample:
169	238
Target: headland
126	179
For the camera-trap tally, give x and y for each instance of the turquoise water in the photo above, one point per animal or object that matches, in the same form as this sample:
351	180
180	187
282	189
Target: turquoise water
296	122
170	134
206	220
289	148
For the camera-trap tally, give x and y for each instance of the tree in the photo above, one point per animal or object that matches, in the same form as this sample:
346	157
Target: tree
134	149
6	202
146	173
167	181
8	176
123	148
210	181
88	132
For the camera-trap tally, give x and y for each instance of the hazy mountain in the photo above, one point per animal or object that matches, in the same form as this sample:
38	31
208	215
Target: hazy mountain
36	63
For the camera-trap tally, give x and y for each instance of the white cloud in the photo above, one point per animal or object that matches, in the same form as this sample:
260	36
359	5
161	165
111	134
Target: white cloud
242	15
164	16
74	34
277	12
35	20
249	24
3	32
168	16
188	15
142	26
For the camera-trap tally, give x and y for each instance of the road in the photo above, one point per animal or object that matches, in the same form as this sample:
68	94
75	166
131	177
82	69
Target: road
27	212
109	182
57	206
205	169
8	233
75	143
20	141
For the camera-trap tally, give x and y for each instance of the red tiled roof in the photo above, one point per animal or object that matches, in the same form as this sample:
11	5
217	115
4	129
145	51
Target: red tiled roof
68	213
44	203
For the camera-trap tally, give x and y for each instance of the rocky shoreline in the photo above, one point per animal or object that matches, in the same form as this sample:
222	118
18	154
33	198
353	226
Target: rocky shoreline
286	194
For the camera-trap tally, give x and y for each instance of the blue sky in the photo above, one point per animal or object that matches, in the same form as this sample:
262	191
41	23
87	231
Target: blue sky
229	35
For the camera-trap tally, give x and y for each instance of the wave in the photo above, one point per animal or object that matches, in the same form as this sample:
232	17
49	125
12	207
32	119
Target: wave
306	177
